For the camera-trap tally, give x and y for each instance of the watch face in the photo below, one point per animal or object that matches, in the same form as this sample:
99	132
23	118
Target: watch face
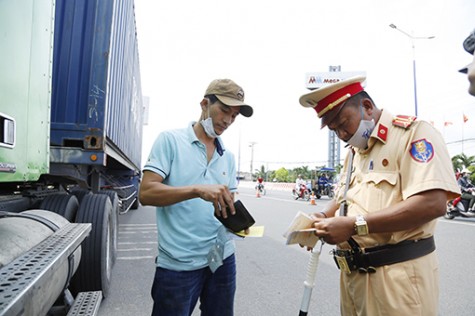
361	226
362	229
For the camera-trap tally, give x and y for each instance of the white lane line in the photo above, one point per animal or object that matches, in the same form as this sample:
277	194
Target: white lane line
137	225
136	258
137	243
136	249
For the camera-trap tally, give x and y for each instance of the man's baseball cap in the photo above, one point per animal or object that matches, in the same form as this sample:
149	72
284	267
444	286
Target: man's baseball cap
469	46
328	100
230	94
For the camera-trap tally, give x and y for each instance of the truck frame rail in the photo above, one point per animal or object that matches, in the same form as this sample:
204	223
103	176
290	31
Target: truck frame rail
86	304
29	272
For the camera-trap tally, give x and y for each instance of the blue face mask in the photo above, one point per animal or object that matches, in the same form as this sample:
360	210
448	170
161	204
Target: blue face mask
208	126
361	136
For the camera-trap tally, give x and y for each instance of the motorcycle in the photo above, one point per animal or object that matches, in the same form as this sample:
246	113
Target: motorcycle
261	189
458	207
326	189
303	193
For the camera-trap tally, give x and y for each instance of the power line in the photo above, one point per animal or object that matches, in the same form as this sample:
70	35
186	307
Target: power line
461	141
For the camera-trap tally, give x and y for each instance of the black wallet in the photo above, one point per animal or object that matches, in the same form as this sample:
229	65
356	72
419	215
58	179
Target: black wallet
241	220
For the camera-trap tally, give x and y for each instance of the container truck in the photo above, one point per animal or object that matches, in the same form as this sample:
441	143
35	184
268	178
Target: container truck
70	150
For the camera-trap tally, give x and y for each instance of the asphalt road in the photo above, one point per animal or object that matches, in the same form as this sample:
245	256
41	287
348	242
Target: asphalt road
270	274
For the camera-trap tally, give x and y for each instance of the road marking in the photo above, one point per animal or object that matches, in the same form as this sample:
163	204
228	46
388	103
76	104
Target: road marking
136	258
138	225
136	249
137	232
135	243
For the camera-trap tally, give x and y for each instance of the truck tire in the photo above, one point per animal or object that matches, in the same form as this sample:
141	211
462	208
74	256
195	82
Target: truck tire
94	271
65	205
115	221
80	193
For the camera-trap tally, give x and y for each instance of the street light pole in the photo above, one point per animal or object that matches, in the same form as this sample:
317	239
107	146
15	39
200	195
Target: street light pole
251	144
413	40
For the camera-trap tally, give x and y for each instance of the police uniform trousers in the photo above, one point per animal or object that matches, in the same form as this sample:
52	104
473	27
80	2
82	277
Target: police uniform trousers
387	291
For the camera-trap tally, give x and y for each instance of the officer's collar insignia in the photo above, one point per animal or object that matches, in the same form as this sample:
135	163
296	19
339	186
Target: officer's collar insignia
403	121
382	132
422	150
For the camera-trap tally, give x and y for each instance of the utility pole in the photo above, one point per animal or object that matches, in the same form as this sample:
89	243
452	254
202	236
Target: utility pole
413	40
333	140
251	144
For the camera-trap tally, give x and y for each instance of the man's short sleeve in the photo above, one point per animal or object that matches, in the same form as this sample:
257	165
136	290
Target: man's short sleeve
161	155
426	164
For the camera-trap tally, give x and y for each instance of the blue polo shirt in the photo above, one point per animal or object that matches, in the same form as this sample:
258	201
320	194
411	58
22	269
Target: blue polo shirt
187	230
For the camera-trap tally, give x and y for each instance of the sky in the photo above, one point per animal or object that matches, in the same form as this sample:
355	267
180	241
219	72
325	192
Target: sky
268	47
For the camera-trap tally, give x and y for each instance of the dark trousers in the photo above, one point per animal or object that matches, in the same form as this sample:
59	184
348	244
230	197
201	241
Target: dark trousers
470	197
175	293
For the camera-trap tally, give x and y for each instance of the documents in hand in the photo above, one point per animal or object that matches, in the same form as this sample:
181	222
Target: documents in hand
254	231
300	231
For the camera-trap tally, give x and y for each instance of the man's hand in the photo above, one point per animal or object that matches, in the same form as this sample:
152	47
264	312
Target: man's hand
221	198
335	230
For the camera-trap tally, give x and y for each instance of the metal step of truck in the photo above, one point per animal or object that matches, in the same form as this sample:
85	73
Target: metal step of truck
86	304
23	279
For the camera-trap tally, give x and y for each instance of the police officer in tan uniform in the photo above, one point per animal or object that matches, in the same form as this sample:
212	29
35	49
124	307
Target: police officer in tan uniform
394	185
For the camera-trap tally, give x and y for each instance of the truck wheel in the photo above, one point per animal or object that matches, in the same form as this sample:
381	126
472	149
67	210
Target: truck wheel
115	221
80	193
65	205
94	271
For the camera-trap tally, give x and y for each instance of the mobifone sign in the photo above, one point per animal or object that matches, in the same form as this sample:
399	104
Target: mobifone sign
315	80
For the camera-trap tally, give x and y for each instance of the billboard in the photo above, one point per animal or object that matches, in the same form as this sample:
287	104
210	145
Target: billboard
315	80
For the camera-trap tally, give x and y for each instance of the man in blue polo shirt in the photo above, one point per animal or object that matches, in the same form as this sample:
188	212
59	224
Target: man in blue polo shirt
190	177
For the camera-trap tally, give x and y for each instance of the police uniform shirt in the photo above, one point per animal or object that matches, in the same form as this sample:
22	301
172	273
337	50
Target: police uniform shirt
398	163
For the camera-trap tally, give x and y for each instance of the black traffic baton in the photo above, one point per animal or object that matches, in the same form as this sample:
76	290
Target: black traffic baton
310	279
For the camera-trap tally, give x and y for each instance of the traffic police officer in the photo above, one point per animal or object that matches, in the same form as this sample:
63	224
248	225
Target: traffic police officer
395	182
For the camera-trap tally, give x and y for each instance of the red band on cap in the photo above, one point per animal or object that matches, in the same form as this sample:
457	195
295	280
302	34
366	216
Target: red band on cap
351	89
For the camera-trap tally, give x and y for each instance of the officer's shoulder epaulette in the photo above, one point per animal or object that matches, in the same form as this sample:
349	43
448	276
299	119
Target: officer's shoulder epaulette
403	121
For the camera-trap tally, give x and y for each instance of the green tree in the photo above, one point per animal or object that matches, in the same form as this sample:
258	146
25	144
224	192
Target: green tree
304	171
261	173
461	160
282	175
338	168
271	175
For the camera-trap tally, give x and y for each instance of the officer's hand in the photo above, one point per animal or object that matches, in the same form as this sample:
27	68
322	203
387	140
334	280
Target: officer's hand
335	230
221	198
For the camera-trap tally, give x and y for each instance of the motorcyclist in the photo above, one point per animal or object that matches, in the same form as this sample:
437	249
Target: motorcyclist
467	188
322	182
260	185
300	185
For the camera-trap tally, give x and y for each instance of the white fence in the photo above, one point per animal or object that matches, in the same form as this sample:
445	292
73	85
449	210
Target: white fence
270	186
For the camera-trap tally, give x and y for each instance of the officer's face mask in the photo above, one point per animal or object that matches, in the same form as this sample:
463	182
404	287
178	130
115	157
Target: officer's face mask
362	134
208	126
